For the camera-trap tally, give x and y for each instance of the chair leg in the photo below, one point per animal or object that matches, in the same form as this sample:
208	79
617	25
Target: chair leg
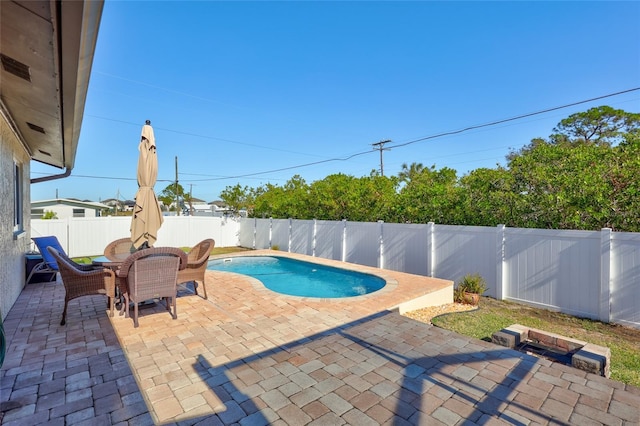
204	289
175	312
135	314
64	313
124	309
195	286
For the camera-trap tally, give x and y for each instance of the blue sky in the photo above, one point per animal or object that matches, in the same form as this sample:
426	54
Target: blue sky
239	90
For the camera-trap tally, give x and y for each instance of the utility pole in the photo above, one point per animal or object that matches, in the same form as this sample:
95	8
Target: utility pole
177	196
191	199
380	147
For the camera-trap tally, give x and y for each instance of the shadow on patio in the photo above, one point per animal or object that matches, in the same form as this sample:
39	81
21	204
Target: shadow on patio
247	356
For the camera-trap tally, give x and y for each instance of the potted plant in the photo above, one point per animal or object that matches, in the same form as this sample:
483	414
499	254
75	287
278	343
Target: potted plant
470	288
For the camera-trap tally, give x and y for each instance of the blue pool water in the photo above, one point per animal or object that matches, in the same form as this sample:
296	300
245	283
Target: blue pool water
299	278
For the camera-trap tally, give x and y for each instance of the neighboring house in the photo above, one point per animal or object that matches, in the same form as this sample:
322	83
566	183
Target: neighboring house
65	207
199	205
118	205
129	205
47	50
114	204
219	206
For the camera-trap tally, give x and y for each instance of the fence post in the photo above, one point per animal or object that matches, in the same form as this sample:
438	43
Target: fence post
70	248
290	234
255	230
344	240
431	252
500	262
313	242
604	314
381	258
270	231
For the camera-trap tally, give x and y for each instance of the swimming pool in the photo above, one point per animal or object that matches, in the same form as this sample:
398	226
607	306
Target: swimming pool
299	278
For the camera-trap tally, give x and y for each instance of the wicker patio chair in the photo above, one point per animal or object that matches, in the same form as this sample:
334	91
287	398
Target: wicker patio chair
83	280
151	274
197	265
119	249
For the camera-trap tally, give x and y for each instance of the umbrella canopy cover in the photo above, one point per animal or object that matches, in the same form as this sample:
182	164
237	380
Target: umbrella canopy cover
147	217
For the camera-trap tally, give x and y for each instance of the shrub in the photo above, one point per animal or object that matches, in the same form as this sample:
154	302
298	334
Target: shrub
458	295
48	214
473	283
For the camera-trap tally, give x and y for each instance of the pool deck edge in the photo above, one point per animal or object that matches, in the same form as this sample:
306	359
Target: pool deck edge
405	292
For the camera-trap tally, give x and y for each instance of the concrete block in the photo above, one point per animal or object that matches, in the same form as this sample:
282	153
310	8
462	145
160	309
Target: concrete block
593	359
586	356
510	337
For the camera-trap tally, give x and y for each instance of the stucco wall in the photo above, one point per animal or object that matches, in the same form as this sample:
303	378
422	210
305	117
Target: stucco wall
12	247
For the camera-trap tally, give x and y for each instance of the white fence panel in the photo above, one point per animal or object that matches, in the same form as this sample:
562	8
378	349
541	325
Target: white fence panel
302	237
45	228
280	233
405	248
247	232
228	233
554	269
89	236
328	239
462	250
263	229
363	243
625	278
187	231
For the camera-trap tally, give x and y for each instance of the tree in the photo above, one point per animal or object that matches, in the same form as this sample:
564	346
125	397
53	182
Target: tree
172	192
581	178
238	198
330	198
584	176
600	126
373	198
623	172
430	196
270	202
288	201
487	198
408	173
562	186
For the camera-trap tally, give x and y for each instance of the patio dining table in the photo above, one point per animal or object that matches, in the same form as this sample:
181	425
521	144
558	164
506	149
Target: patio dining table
114	264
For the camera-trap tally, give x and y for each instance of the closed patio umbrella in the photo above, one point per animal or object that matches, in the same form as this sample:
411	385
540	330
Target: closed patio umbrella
147	217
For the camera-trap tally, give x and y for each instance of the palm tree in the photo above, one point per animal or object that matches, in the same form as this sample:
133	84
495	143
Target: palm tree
408	173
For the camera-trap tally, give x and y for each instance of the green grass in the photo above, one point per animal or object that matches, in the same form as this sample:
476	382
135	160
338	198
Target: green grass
494	315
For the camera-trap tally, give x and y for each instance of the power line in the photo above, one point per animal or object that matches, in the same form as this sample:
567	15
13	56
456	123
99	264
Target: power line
453	132
518	117
492	123
196	135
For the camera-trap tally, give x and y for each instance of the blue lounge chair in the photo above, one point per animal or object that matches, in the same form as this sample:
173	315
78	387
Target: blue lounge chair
48	263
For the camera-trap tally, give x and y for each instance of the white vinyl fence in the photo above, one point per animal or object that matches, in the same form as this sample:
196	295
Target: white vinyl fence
89	236
592	274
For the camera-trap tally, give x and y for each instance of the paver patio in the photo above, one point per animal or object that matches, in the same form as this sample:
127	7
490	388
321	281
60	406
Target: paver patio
249	356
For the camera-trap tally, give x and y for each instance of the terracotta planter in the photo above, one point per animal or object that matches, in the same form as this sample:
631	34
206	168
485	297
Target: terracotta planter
471	298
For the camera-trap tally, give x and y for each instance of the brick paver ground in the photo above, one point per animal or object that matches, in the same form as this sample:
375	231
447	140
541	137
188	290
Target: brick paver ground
250	357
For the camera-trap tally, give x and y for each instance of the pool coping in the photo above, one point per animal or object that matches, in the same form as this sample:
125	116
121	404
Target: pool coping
430	291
